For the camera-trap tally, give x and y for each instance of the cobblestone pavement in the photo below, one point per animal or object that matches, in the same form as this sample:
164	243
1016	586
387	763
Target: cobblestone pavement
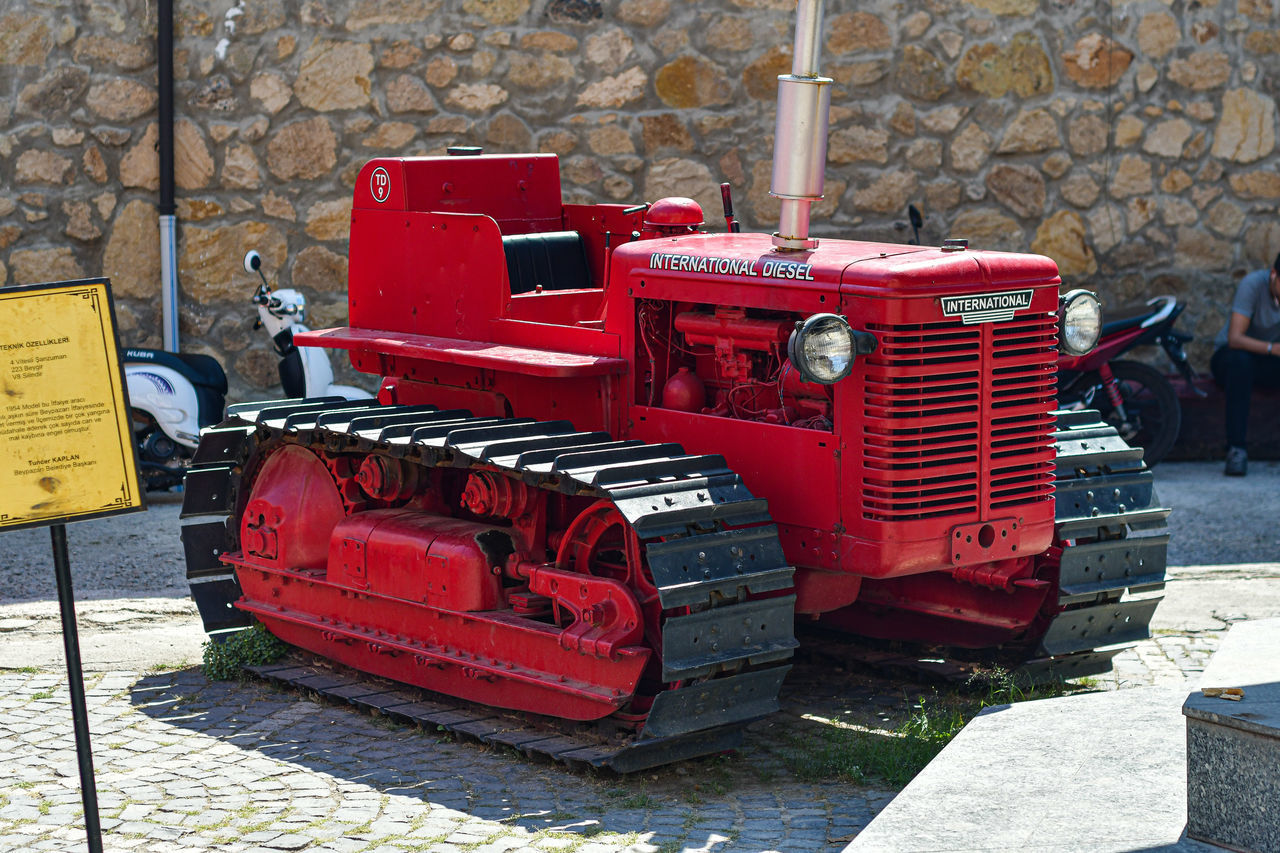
1201	603
1165	661
185	764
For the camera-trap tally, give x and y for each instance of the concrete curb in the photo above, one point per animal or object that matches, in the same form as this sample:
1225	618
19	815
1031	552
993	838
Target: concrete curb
1092	773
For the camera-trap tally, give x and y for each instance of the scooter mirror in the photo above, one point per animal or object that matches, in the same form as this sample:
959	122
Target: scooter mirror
252	261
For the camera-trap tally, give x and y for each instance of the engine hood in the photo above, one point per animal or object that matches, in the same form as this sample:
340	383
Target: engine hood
850	266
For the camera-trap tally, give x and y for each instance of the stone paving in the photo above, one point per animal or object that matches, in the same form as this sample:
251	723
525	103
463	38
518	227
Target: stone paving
1164	661
186	764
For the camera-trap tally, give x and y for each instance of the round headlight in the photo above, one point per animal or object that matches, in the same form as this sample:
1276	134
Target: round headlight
1081	323
822	348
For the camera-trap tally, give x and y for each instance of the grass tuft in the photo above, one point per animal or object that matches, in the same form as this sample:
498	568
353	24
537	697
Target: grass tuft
253	646
897	752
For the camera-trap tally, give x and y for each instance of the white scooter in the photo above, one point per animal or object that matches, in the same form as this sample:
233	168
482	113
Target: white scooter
171	397
304	371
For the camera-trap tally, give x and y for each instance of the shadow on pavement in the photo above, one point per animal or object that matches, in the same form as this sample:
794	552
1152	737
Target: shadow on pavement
321	739
759	797
138	555
340	742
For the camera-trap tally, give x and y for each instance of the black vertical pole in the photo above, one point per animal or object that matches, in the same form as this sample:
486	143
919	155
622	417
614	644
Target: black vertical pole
75	685
170	326
164	71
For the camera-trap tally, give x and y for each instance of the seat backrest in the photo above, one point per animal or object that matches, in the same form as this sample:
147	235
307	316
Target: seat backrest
554	260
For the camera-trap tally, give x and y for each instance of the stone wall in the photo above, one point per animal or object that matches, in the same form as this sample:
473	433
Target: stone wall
1134	143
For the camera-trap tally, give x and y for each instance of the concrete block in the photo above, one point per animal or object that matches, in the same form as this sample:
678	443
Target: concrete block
1100	772
1233	747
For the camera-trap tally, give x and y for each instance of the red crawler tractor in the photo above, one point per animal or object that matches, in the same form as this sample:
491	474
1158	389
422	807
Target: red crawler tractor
613	455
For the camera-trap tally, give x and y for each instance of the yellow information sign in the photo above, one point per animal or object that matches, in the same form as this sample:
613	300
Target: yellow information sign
66	438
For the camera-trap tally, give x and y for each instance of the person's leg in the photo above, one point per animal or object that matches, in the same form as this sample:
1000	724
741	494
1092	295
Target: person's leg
1234	371
1266	373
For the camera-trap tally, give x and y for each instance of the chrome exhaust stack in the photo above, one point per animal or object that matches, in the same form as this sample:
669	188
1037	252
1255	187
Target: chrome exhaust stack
800	136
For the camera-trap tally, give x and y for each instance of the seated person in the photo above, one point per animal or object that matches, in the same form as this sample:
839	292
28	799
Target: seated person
1248	355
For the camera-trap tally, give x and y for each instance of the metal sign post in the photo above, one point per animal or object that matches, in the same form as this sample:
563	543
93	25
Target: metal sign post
75	685
66	447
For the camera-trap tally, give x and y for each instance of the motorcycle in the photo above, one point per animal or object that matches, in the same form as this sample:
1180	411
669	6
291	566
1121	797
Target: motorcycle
304	371
172	396
1135	398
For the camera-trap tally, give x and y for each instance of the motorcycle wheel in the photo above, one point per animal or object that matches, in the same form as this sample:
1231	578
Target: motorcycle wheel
1155	415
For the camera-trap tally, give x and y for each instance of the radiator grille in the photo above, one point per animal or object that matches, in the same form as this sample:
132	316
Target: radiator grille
951	432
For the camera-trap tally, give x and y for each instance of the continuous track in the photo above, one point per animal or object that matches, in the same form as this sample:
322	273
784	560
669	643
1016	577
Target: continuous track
724	651
689	513
1107	566
1112	560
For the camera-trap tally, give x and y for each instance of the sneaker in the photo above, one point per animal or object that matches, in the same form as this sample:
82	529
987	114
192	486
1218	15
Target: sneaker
1237	462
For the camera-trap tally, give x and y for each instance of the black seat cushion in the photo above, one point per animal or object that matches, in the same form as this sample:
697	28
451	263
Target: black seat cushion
198	369
554	260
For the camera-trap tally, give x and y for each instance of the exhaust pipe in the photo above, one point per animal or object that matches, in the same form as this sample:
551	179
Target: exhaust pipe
800	136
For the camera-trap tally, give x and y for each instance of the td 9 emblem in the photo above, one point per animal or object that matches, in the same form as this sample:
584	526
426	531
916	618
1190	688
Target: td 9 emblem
380	184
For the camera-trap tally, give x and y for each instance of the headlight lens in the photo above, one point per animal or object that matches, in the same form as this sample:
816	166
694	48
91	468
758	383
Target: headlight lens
822	349
1081	323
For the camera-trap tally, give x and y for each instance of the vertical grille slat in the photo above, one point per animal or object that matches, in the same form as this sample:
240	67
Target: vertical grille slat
929	391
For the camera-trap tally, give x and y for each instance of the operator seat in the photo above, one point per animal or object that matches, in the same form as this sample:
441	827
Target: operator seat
552	260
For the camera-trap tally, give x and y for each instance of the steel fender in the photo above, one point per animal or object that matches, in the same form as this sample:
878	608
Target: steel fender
167	396
462	251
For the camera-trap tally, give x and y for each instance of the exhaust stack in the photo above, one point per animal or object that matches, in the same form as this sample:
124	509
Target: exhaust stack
800	137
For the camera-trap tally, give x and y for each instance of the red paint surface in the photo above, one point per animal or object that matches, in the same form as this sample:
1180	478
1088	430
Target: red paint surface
945	427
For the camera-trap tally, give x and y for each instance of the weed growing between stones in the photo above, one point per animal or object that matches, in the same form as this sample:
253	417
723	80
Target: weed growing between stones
170	666
856	754
253	646
639	801
895	753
